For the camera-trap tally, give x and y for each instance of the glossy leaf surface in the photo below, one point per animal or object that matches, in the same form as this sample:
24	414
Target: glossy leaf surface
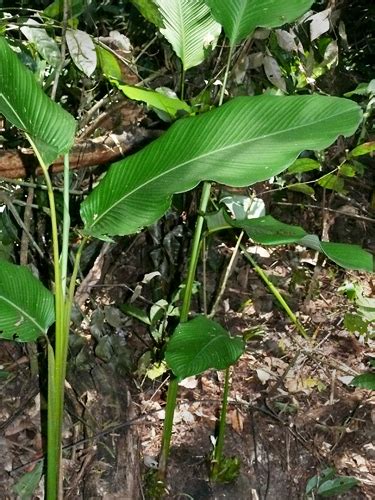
241	17
26	306
201	344
24	104
189	28
245	141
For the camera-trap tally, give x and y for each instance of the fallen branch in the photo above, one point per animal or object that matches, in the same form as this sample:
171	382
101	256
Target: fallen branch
16	163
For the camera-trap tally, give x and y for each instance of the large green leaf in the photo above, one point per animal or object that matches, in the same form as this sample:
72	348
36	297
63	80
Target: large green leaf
343	254
247	140
25	105
201	344
189	28
269	231
241	17
26	306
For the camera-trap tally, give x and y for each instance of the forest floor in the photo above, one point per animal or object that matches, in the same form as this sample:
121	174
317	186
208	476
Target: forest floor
292	412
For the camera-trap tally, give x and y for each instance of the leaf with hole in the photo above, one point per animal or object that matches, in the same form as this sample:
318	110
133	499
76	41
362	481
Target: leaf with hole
201	344
241	17
50	128
27	307
189	28
245	141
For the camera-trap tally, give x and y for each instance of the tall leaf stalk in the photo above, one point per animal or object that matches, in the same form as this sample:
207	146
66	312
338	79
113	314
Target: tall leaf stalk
185	308
57	354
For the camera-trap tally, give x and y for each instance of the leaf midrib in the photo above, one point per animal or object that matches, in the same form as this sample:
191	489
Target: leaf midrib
233	145
24	313
217	338
14	111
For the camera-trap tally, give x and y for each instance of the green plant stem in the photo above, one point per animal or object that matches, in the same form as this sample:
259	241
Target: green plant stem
276	294
227	274
226	74
195	250
173	384
56	358
66	225
218	453
77	260
168	425
185	308
182	84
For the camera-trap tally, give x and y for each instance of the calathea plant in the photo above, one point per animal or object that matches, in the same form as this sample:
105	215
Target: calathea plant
239	143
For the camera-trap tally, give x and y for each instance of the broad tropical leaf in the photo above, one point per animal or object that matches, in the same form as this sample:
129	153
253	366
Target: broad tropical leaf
241	17
269	231
247	140
201	344
25	105
189	28
26	306
345	255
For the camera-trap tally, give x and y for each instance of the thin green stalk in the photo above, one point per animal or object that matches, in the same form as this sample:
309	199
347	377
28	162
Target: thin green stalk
218	453
226	74
185	308
276	294
195	250
57	357
66	225
77	260
173	384
182	83
52	462
168	425
227	274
